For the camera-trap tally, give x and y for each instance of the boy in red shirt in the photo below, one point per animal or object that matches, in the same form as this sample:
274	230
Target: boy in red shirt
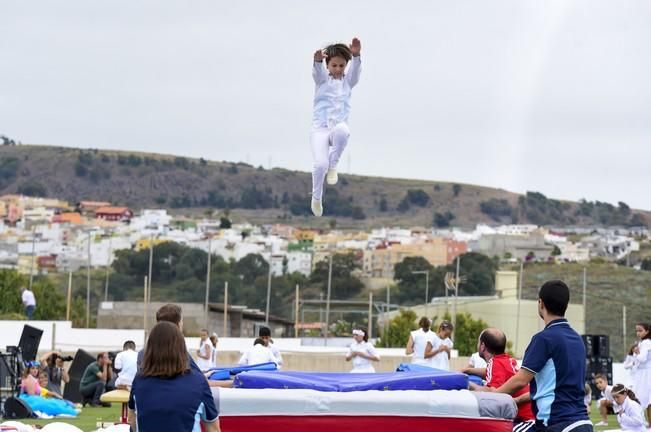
500	367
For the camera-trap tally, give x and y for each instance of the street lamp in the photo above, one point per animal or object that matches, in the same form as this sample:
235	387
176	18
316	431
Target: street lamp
426	273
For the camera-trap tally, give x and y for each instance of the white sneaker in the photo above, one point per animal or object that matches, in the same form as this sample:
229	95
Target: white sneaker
332	177
317	208
601	423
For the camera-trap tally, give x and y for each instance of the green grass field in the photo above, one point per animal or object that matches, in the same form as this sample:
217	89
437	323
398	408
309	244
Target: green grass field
88	419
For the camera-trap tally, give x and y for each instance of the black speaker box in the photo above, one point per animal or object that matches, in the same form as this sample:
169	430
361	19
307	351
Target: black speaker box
77	367
16	409
29	342
589	348
601	345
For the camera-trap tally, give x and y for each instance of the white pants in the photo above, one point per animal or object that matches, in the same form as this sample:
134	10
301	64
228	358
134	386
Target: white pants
327	146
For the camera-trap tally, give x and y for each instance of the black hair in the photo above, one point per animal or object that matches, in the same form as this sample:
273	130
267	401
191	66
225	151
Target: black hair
646	326
494	343
601	376
258	341
264	331
424	323
129	345
555	295
621	389
337	50
631	350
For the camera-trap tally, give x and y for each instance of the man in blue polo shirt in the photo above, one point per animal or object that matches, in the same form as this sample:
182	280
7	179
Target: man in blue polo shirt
554	366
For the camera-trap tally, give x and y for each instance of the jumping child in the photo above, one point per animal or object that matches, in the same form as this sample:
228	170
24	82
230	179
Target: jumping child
330	133
629	414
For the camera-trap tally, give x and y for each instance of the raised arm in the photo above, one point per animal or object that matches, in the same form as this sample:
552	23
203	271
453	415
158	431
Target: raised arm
355	68
319	72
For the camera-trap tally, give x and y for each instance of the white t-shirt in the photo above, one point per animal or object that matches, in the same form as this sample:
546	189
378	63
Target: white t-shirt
28	298
257	355
276	352
360	364
127	362
204	348
420	339
441	360
476	361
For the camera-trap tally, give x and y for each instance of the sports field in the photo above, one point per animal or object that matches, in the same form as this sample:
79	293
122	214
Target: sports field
89	418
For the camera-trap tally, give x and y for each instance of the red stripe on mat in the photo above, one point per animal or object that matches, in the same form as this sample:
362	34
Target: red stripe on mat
361	424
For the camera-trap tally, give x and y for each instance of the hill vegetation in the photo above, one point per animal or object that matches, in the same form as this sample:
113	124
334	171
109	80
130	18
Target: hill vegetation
258	195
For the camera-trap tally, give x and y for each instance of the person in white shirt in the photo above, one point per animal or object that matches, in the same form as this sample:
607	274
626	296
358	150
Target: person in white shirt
330	132
362	353
259	354
630	415
418	341
439	348
126	363
214	339
29	301
606	403
630	364
265	334
643	360
204	353
476	366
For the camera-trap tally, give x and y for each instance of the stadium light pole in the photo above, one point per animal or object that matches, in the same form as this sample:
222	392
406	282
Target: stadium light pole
517	322
208	280
329	292
426	273
151	263
266	315
31	266
88	285
108	266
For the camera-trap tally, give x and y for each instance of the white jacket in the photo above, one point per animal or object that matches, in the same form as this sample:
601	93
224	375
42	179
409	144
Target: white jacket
631	417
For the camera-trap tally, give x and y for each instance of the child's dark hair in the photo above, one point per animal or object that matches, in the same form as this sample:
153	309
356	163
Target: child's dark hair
647	327
621	389
362	329
601	376
631	350
258	341
337	50
424	323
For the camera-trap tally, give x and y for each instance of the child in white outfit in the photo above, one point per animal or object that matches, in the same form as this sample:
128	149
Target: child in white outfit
330	132
629	414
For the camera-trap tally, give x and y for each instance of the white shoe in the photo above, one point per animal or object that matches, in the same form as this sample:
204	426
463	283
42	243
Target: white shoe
332	177
601	423
317	208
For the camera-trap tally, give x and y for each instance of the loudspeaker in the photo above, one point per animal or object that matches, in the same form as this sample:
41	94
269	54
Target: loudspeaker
589	347
76	372
17	409
29	342
602	345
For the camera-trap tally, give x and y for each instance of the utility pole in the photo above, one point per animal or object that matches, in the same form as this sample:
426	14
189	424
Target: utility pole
328	294
226	309
296	321
88	285
69	296
108	264
370	314
31	266
266	315
151	263
624	326
426	273
456	293
145	306
208	279
517	322
585	283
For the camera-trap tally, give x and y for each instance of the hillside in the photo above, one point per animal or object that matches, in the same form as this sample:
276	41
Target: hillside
257	195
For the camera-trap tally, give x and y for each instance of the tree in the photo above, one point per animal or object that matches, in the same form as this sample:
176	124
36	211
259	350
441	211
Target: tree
637	220
344	284
646	264
496	208
530	256
466	333
417	197
456	189
32	188
442	220
383	204
224	223
411	287
397	334
556	251
250	267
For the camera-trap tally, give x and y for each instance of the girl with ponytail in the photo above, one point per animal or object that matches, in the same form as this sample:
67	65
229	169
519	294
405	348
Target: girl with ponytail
630	415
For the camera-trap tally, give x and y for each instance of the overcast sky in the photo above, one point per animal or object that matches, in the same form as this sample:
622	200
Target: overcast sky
551	96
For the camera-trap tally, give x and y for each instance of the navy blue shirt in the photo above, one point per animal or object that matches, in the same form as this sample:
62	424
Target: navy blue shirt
176	404
556	356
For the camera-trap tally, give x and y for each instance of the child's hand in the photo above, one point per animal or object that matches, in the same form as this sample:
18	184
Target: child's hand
355	47
319	56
